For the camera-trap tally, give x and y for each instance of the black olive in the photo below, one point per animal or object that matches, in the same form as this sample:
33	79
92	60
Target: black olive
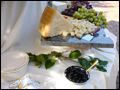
78	81
71	73
76	74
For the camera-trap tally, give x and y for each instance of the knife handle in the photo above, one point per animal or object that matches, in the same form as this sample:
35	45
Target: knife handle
95	31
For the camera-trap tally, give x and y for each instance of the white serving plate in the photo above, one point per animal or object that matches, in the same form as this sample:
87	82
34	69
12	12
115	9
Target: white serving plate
13	65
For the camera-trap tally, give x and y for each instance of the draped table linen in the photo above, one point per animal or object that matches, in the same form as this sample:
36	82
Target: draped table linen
20	31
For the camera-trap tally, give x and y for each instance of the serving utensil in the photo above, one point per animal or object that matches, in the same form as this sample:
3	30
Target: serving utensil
90	36
96	61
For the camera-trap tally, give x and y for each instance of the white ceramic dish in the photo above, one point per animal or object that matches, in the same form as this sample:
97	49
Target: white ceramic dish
13	65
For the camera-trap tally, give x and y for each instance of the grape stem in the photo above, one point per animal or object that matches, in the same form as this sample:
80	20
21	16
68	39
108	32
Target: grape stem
67	58
65	51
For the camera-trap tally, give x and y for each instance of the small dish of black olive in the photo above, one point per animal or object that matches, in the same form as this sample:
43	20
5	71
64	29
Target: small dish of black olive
77	74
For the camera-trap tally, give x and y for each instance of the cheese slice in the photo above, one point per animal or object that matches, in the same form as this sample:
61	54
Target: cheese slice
59	6
52	23
69	3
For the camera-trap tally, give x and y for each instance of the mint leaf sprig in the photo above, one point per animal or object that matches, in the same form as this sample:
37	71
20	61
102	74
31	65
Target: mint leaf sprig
50	59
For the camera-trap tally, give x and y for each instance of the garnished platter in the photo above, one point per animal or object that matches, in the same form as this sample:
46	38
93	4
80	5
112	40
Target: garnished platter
69	29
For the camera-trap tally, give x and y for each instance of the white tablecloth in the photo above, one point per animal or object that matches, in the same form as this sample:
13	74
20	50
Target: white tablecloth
20	31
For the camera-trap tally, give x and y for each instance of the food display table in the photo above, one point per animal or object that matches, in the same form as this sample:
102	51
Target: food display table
54	78
25	37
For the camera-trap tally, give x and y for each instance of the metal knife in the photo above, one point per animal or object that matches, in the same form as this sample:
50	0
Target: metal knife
90	36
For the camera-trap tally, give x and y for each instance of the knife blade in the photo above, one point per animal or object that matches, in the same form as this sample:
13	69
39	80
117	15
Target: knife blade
90	36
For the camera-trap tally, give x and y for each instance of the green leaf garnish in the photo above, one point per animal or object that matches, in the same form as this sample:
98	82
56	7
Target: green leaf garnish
86	64
37	63
49	63
75	54
101	68
103	63
40	58
45	56
32	57
56	54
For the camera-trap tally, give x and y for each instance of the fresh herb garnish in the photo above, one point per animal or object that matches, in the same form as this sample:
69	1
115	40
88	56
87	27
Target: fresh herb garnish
50	59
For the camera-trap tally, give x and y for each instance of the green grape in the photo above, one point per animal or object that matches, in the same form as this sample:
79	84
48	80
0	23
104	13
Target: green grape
82	10
95	12
85	14
78	13
79	10
99	20
85	10
74	15
100	13
92	14
89	11
106	23
82	14
98	17
103	18
97	24
96	20
88	14
106	26
100	23
83	7
91	19
75	12
94	17
84	17
77	16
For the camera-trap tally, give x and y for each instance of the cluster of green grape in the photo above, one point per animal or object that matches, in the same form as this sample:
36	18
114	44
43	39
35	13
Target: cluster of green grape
92	16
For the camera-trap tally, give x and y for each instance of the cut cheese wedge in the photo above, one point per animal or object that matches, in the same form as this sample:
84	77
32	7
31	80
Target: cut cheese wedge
59	6
52	23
